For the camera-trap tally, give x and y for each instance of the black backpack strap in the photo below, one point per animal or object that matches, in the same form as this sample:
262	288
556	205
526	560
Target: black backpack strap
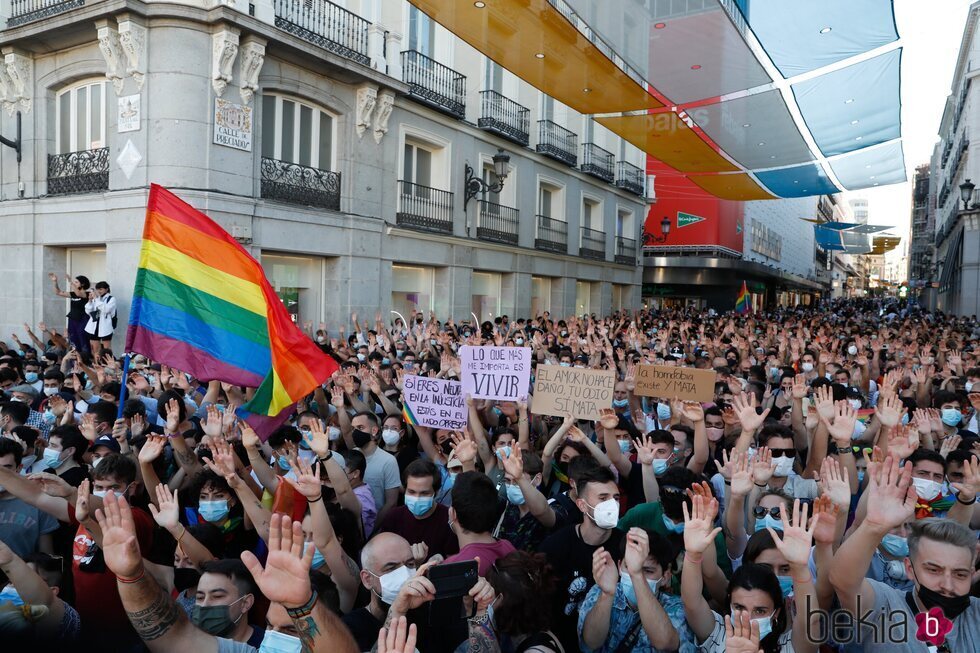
632	635
542	638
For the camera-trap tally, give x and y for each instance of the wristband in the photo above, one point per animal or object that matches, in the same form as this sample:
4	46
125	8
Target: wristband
840	451
966	503
728	483
327	457
304	610
183	532
319	498
761	484
134	579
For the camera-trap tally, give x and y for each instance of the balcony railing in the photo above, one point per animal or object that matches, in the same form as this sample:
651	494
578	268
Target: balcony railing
557	142
625	250
327	25
27	11
552	235
593	244
421	207
503	116
86	171
438	86
598	162
291	182
497	223
630	178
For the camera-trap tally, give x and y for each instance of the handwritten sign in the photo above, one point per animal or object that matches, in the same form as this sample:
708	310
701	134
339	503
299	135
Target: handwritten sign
565	391
502	373
435	403
686	383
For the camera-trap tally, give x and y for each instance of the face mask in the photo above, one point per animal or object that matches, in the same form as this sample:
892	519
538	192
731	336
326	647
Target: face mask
905	420
18	400
951	416
861	476
213	511
30	377
807	367
185	578
784	466
215	619
321	340
49	392
714	434
952	606
770	521
518	341
786	585
673	527
418	506
621	403
333	433
765	625
629	591
852	350
564	364
564	334
969	386
361	438
859	429
361	357
274	642
386	361
96	462
663	412
605	514
52	458
926	489
514	495
659	466
503	452
391	437
284	463
10	595
855	403
391	583
624	446
895	545
318	560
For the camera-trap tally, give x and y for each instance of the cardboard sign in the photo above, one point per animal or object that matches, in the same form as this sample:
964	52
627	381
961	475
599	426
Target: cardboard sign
436	403
502	373
564	391
666	382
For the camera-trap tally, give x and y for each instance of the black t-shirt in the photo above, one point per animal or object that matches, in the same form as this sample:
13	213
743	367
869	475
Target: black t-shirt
76	307
571	559
73	476
364	627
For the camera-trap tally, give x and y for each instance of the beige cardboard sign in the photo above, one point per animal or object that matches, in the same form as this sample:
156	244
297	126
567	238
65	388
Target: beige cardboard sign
666	382
564	391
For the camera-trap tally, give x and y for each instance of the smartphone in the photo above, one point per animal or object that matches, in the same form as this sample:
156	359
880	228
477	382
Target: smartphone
454	579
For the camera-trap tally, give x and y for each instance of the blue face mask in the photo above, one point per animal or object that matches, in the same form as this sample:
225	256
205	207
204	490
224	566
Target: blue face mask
663	412
52	458
213	511
274	642
860	476
621	403
30	377
49	417
503	452
418	506
318	560
951	416
10	595
629	590
672	527
765	625
514	495
284	463
770	521
896	545
660	466
786	585
624	446
386	361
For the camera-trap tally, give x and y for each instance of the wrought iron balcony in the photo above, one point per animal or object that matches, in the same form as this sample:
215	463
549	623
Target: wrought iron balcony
27	11
504	117
557	142
497	223
327	25
630	178
421	207
291	182
625	250
593	244
552	235
598	162
86	171
430	82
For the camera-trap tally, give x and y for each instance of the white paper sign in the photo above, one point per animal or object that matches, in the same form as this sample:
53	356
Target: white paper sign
436	403
128	118
502	373
232	125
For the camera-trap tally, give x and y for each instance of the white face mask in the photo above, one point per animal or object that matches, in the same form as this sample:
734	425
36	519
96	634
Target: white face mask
852	350
784	466
391	583
855	403
807	367
49	392
333	433
606	514
391	437
926	489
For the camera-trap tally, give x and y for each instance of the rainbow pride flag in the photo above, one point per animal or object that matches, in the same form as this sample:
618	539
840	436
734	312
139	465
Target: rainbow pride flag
742	303
202	304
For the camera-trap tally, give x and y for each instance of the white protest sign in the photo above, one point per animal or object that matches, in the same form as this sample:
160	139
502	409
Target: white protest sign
502	373
435	403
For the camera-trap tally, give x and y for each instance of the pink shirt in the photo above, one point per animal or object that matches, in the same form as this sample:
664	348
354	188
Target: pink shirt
487	553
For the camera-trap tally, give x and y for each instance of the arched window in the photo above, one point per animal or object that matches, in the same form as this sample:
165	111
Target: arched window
80	122
296	132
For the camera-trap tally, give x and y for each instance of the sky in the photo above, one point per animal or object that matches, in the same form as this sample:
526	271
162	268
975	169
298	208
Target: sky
931	33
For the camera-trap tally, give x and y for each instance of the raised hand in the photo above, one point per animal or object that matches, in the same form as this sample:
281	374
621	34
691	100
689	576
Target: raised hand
637	550
604	571
824	401
87	427
465	447
762	466
82	500
903	440
308	480
52	484
152	448
168	513
842	427
891	494
223	462
137	424
644	450
249	437
742	636
120	548
514	463
286	576
951	443
800	387
608	418
399	637
213	424
970	485
745	405
889	410
824	520
693	412
699	531
796	538
741	474
834	483
173	417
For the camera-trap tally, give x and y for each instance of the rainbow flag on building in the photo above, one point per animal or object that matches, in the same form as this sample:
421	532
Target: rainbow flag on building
202	304
743	304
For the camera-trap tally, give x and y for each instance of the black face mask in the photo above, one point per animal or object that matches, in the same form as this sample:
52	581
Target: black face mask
185	578
361	438
447	447
952	606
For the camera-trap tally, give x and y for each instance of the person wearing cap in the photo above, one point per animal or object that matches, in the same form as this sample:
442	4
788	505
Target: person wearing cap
102	447
27	394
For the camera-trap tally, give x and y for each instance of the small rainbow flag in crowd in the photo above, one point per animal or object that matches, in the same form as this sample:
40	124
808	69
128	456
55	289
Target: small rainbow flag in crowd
864	414
202	304
742	303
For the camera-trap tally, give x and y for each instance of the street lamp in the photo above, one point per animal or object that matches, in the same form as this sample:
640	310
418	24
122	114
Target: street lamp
474	184
966	193
650	239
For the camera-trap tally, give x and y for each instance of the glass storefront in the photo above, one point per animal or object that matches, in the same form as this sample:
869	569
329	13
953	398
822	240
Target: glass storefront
540	295
486	295
411	287
583	297
297	281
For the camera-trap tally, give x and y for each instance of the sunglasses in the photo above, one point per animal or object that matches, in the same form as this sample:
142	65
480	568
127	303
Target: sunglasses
761	512
789	453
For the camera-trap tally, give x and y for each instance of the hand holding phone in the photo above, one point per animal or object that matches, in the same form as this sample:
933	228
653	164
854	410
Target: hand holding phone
454	579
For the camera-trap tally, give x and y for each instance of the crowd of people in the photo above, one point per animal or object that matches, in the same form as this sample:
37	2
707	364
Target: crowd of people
825	498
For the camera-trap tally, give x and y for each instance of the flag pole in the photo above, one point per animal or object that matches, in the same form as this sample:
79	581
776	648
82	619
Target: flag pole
122	386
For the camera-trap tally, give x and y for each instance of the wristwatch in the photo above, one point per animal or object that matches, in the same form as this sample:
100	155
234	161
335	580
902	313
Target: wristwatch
843	450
